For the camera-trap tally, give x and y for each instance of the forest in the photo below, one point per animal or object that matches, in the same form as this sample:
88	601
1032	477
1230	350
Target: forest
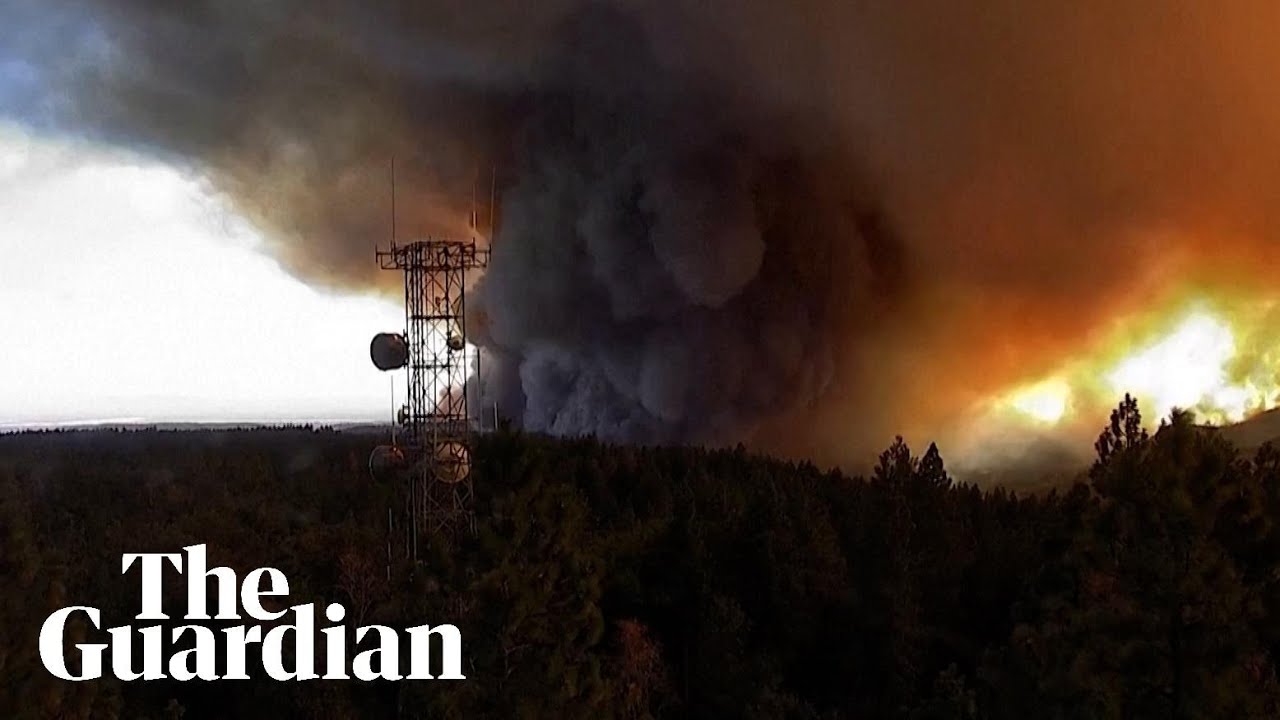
672	582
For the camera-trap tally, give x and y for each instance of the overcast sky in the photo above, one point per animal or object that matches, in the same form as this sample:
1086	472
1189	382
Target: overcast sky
129	292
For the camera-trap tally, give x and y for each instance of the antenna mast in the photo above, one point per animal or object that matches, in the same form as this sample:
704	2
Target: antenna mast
433	459
493	200
393	202
435	418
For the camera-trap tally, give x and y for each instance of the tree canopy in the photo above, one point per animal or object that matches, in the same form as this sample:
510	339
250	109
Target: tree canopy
647	582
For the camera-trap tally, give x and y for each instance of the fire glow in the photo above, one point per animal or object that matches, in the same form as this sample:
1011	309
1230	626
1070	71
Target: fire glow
1220	360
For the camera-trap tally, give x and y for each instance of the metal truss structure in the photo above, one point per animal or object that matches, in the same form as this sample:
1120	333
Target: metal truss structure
437	426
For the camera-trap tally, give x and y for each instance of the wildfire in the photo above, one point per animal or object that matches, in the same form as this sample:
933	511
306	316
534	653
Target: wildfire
1045	402
1217	358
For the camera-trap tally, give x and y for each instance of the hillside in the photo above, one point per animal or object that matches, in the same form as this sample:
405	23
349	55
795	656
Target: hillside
1253	432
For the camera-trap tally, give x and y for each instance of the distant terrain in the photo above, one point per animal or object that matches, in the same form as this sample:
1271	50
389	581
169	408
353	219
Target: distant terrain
1255	431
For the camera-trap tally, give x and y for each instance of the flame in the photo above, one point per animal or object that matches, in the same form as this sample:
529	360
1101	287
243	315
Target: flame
1187	369
1219	358
1045	402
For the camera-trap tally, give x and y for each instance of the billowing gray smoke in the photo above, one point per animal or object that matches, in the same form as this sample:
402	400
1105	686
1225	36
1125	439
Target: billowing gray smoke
673	262
681	254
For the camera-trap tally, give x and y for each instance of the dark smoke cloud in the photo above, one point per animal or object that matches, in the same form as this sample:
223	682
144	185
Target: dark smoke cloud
674	263
825	221
680	258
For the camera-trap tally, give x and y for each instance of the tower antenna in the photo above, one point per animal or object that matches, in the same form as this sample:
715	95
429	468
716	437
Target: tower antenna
438	491
474	219
493	200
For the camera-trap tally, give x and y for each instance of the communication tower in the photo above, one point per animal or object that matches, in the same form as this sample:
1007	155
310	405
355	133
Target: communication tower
434	457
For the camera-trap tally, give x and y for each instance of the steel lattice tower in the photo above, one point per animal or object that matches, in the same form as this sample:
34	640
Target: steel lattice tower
437	425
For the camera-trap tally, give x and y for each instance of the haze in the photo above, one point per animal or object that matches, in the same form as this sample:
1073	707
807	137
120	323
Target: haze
128	293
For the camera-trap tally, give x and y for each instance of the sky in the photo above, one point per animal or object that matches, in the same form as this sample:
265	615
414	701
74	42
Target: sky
806	227
128	291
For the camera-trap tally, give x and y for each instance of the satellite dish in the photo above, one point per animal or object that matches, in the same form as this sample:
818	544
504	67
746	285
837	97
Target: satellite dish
452	462
389	351
385	460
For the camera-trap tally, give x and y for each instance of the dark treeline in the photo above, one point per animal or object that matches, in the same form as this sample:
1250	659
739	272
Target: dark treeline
634	582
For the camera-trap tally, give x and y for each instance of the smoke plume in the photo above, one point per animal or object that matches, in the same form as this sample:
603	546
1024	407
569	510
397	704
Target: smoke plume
807	225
